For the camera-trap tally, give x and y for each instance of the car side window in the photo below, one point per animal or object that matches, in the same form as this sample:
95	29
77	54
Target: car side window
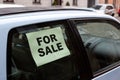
41	52
102	42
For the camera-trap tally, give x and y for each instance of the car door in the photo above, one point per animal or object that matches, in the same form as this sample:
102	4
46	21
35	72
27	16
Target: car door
101	39
45	51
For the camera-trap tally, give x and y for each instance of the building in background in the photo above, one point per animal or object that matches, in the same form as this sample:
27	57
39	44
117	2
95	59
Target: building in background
79	3
48	3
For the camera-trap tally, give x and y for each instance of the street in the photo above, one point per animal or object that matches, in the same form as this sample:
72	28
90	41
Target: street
116	16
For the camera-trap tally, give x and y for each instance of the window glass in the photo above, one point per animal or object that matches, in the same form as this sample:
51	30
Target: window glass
75	2
56	2
37	1
8	0
102	42
97	7
41	52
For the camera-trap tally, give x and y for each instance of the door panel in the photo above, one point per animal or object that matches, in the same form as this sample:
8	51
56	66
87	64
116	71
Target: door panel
111	75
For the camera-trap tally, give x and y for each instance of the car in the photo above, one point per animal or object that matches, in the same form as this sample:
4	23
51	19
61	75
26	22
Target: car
105	8
58	44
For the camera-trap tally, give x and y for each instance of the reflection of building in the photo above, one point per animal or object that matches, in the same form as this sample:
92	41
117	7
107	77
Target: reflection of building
79	3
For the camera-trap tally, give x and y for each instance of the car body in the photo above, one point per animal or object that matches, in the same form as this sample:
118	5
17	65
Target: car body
58	44
71	7
105	8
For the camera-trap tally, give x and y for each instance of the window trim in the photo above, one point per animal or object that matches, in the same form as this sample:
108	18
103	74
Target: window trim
85	69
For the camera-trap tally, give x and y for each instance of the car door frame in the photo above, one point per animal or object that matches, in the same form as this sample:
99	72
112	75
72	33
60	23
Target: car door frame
85	69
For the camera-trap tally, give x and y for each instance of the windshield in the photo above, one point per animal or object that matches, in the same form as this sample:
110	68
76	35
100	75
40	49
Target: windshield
97	7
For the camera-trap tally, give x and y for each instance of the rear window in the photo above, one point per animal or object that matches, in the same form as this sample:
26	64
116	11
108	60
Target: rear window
41	52
97	7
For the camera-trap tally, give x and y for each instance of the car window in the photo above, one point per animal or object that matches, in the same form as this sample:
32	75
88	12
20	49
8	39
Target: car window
97	7
109	7
102	42
41	52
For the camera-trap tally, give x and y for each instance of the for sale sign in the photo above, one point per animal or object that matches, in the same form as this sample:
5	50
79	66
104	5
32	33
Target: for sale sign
47	45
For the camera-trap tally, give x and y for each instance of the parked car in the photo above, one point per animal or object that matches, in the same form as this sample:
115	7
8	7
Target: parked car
58	44
105	8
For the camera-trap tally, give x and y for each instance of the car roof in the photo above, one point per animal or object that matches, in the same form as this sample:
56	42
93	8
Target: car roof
44	12
18	10
83	12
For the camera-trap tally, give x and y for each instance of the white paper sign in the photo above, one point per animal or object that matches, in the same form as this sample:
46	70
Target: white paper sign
47	45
